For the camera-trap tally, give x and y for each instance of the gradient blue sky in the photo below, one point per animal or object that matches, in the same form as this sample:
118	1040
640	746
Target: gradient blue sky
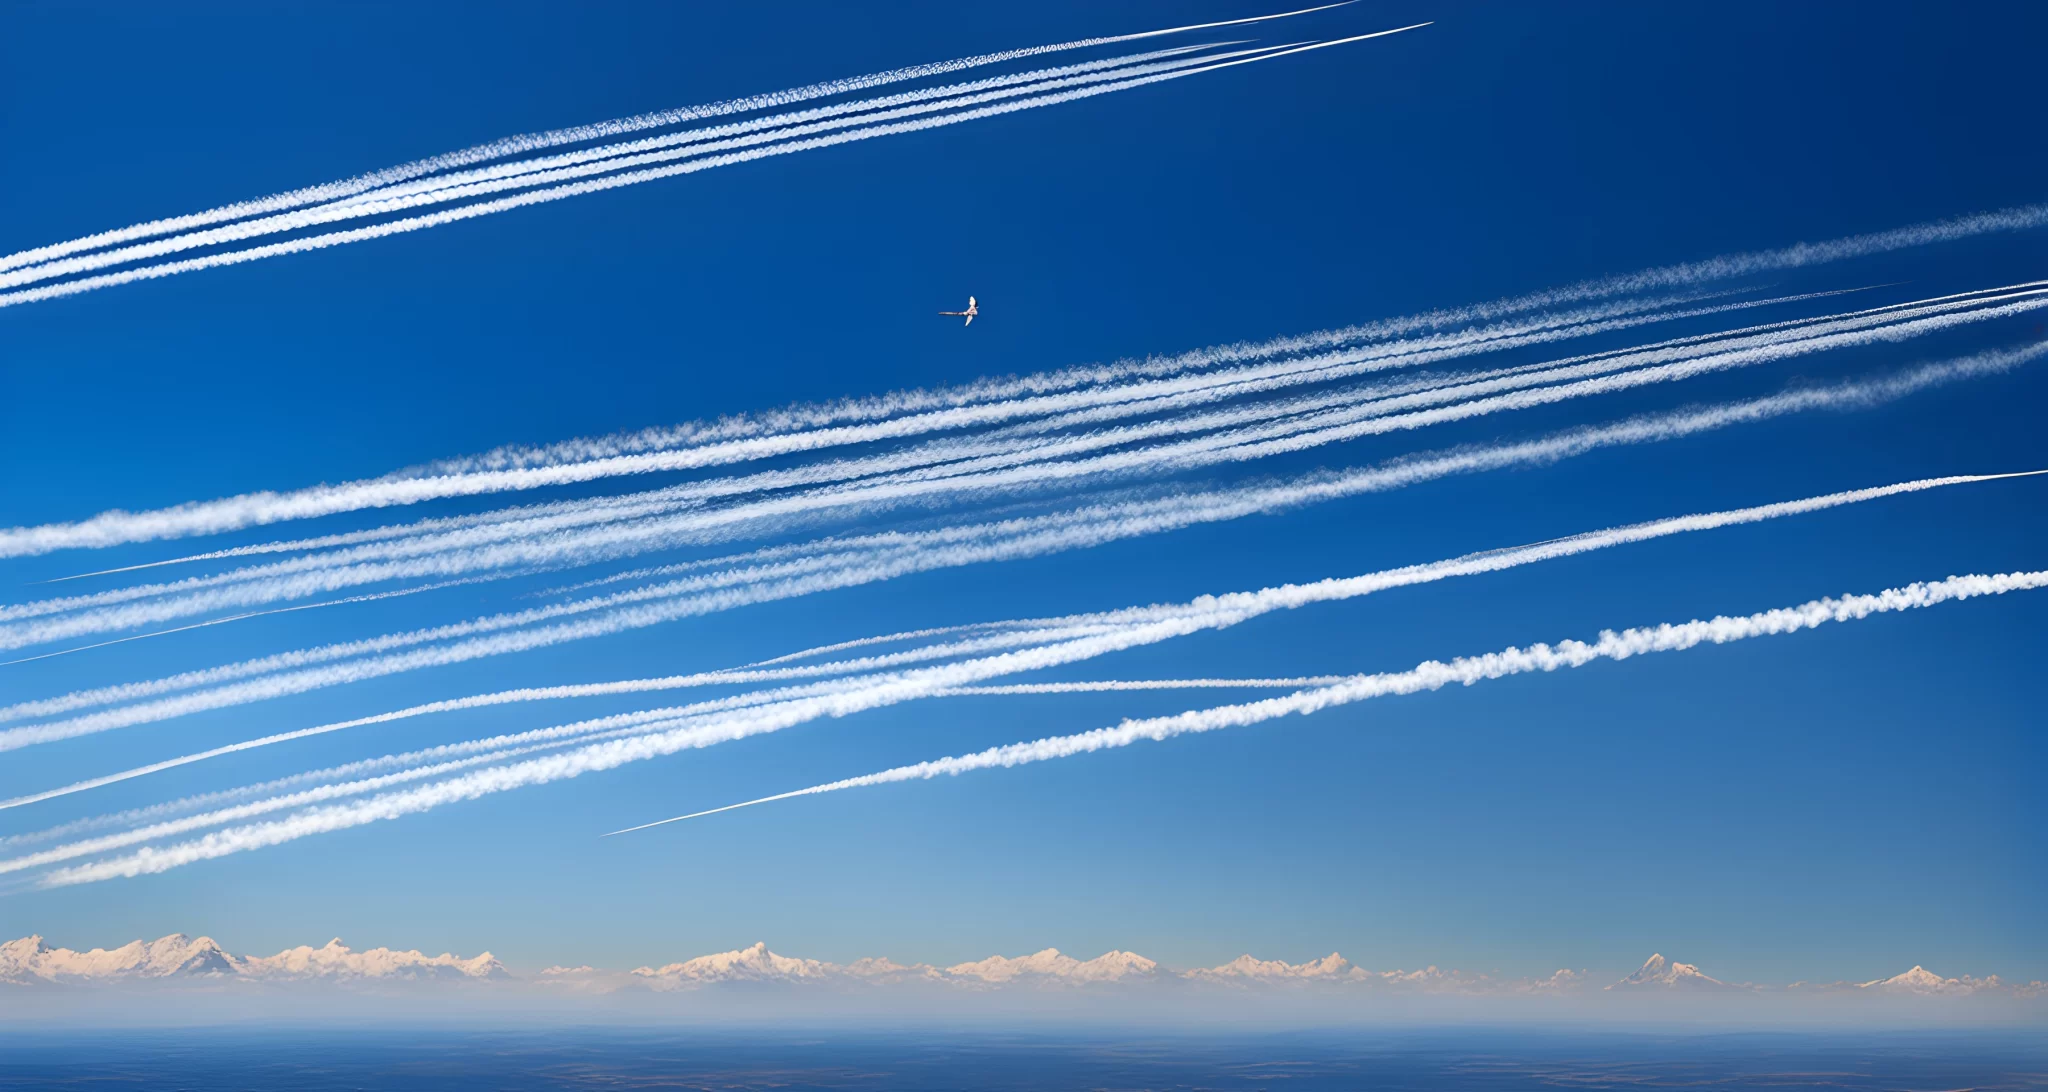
1831	805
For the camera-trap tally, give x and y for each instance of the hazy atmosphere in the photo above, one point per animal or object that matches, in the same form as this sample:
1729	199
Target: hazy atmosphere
1405	515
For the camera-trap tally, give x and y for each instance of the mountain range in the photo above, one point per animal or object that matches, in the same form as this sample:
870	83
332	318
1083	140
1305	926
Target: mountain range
177	958
29	961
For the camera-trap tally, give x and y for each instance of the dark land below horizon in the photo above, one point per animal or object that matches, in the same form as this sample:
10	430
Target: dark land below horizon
909	1060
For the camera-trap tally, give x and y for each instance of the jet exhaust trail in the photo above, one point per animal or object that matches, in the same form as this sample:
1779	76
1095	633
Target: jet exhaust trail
1428	675
510	146
806	476
297	677
261	508
1126	629
527	173
612	181
1315	420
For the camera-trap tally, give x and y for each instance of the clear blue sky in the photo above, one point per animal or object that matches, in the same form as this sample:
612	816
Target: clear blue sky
1832	805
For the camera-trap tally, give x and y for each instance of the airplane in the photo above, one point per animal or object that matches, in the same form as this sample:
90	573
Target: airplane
973	309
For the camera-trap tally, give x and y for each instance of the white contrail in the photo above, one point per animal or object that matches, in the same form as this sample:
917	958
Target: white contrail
1038	632
220	515
1317	420
523	174
1112	685
256	509
233	813
613	753
520	172
417	766
366	598
1390	476
634	177
1045	630
986	477
433	761
445	532
1800	255
1428	675
1398	474
509	146
627	531
598	458
527	543
263	508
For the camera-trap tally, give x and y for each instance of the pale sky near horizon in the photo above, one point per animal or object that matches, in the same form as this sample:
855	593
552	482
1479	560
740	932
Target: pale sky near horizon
1838	804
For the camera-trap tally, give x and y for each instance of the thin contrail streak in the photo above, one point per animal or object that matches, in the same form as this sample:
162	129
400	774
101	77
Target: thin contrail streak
509	146
1488	561
1395	475
634	177
1428	675
411	766
1102	686
432	761
1320	418
241	617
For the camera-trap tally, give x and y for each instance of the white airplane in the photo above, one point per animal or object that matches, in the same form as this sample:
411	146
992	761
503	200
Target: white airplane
973	309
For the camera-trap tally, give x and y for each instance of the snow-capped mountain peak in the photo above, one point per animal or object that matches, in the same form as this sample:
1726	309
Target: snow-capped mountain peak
1249	969
1922	980
177	955
754	963
1658	972
1051	964
336	960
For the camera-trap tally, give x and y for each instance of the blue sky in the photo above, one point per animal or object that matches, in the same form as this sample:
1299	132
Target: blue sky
1837	804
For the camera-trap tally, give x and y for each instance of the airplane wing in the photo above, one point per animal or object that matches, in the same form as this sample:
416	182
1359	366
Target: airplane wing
969	322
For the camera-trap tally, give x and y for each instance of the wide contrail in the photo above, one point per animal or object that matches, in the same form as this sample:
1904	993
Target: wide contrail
1429	675
289	673
529	142
1321	419
1047	630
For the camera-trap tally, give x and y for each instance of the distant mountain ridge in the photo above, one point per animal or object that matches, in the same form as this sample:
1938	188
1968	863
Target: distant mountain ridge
1658	973
29	960
178	958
